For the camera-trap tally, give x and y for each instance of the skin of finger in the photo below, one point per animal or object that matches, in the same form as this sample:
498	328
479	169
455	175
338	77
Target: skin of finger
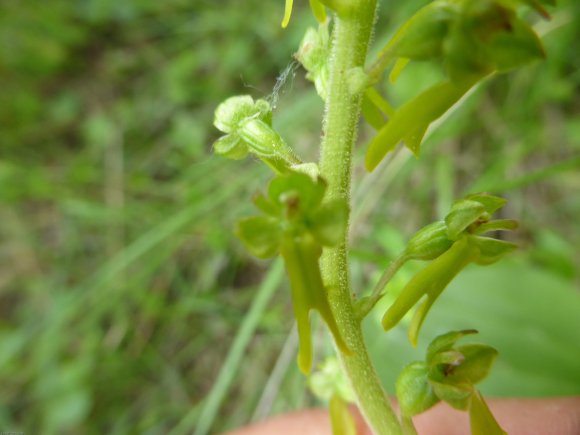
306	422
555	416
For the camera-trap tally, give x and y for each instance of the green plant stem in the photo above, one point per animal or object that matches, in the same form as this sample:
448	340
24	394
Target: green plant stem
351	35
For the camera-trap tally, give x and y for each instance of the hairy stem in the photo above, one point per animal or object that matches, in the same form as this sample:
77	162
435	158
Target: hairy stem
352	34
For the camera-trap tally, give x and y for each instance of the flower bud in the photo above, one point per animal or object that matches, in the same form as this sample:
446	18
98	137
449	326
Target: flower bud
429	242
313	54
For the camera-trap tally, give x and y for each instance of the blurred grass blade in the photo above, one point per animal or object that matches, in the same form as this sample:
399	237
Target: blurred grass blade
229	369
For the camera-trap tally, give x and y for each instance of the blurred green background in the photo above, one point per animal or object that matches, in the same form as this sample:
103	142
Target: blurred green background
126	303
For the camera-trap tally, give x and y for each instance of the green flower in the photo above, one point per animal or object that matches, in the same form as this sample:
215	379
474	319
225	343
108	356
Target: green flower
297	223
451	245
248	127
449	373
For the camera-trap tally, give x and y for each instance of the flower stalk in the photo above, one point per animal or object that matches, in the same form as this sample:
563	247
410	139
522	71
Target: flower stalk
351	37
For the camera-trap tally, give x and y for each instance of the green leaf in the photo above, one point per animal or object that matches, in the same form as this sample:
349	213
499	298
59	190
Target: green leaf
463	213
231	147
491	250
328	222
456	395
445	342
414	116
260	234
477	363
429	242
482	421
414	393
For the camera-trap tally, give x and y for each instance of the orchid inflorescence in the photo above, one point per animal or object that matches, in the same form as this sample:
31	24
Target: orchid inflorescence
303	217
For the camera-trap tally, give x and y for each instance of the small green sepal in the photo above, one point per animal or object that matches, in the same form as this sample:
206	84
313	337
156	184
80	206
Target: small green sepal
463	213
260	234
326	223
231	146
476	364
234	110
456	395
414	392
491	250
497	225
297	193
491	203
445	342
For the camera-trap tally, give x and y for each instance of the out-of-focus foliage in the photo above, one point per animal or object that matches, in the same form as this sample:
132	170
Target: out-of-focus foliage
121	285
